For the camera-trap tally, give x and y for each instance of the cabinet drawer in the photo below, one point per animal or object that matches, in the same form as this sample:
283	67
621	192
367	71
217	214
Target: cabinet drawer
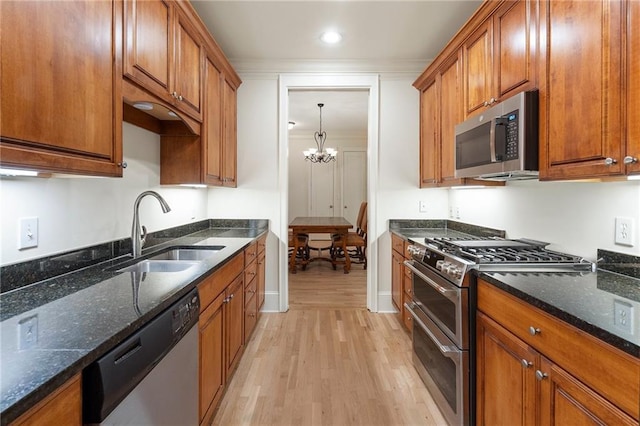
262	244
589	359
250	272
250	317
407	319
216	283
397	244
405	251
250	253
407	284
249	291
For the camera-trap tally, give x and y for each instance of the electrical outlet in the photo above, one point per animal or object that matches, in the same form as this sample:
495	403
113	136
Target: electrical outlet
28	233
457	212
28	333
624	231
423	206
623	315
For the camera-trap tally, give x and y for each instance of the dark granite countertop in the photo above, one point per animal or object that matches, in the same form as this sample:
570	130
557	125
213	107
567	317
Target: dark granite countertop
585	300
84	313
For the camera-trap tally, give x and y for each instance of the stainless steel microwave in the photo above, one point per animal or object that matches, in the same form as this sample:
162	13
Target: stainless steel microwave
501	143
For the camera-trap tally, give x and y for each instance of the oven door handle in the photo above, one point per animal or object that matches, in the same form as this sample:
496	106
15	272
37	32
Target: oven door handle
447	351
450	294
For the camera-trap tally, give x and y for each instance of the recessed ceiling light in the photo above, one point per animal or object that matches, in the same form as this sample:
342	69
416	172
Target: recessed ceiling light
172	114
331	37
145	106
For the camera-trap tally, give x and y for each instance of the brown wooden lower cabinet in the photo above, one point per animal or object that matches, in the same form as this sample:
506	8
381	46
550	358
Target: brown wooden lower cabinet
62	407
525	379
212	371
221	327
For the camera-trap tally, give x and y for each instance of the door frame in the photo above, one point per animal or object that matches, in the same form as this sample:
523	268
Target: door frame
368	82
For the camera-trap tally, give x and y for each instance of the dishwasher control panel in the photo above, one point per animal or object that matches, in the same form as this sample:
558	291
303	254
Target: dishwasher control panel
184	314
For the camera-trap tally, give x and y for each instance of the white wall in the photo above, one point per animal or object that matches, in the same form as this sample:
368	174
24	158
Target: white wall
79	212
574	217
300	171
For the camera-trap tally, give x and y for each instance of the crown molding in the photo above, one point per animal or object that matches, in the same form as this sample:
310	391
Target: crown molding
344	66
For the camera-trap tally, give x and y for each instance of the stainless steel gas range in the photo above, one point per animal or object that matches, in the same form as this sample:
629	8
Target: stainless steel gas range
444	306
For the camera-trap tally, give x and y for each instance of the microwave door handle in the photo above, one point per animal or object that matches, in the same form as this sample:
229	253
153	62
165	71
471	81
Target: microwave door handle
492	140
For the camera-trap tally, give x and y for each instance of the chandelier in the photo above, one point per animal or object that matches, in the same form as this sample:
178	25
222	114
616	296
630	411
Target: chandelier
319	155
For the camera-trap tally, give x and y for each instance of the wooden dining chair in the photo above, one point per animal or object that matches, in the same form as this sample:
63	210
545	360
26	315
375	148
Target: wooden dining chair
356	243
303	247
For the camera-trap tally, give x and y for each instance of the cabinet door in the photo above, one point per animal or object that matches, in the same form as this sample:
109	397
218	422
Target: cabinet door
234	318
515	51
212	366
396	279
506	383
580	92
212	125
478	69
429	133
61	88
564	400
148	39
633	91
450	115
62	407
229	149
188	69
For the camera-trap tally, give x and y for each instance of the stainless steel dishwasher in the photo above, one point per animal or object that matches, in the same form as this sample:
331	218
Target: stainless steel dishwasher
151	378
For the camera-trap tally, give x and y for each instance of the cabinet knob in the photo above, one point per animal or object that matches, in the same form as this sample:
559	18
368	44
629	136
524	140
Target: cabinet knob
123	164
492	101
630	160
533	331
180	97
526	364
610	161
540	375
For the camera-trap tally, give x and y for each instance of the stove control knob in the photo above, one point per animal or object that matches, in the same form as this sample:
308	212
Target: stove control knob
439	265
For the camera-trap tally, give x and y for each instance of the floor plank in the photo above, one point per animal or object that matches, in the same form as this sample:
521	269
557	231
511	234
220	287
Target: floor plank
328	361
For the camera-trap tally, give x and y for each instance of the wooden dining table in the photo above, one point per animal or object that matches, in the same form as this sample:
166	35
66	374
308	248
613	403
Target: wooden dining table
319	225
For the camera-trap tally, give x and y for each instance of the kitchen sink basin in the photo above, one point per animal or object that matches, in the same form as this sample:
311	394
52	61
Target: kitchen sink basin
179	254
151	265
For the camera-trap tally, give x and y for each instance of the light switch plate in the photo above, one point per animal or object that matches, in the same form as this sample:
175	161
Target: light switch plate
28	233
423	206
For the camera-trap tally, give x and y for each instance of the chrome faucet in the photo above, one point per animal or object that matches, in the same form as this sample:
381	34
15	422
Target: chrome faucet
138	236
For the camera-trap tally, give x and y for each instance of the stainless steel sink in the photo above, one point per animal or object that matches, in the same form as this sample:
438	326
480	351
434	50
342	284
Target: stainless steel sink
188	253
150	265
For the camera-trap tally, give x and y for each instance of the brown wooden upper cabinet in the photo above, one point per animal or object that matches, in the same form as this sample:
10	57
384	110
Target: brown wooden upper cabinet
163	53
581	100
500	55
632	154
441	108
61	97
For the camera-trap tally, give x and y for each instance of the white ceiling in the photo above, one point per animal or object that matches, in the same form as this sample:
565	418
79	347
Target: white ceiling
280	36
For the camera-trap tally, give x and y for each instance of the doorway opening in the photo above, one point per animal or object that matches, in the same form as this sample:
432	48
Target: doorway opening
333	200
337	188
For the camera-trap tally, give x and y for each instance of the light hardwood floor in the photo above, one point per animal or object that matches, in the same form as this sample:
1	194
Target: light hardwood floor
328	361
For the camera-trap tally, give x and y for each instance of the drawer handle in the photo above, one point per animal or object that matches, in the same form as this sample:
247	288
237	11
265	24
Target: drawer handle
526	364
533	331
540	375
